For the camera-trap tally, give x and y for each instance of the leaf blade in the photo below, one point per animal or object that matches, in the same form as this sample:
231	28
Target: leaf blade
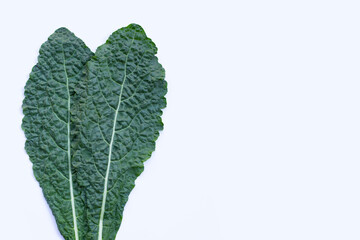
123	120
47	125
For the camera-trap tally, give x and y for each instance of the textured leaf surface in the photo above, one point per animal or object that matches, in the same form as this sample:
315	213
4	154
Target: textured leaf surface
90	122
49	127
120	123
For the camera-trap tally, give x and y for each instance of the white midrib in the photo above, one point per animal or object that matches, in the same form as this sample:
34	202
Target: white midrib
110	150
69	155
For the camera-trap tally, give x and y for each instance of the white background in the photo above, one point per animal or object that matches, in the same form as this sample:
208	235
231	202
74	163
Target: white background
262	128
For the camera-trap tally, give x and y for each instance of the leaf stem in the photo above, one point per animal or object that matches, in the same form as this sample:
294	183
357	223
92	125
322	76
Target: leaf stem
69	153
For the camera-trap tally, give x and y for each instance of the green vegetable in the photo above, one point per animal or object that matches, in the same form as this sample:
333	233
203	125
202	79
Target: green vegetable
49	127
91	120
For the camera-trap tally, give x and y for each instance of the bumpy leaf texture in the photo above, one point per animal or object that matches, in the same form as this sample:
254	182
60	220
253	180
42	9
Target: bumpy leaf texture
90	122
49	128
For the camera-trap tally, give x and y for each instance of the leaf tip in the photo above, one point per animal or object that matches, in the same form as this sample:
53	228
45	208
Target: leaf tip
62	30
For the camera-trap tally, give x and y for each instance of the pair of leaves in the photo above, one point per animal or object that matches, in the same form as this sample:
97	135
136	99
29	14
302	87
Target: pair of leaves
91	120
